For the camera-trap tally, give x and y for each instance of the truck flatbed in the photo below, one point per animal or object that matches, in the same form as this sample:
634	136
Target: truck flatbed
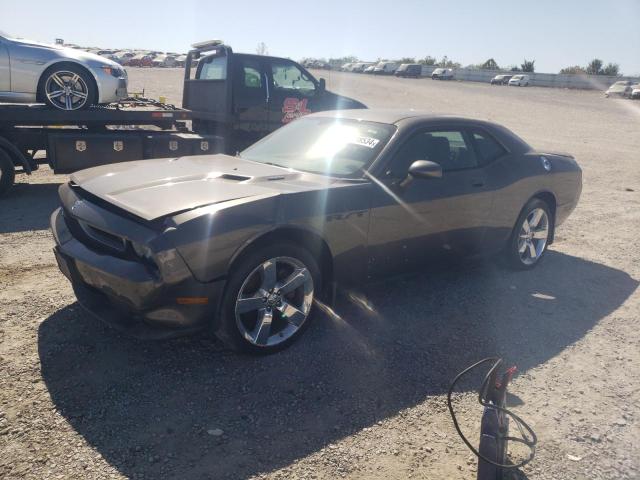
133	111
132	129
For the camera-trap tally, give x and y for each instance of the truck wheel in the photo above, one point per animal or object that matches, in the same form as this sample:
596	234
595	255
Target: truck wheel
68	87
7	172
268	300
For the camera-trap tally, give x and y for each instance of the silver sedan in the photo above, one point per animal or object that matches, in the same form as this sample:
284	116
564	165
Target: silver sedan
63	78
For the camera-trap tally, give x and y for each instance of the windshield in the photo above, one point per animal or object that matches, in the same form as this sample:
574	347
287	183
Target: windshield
328	146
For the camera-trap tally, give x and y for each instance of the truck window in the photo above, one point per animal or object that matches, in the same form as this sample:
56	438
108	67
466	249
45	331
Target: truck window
213	68
252	77
288	77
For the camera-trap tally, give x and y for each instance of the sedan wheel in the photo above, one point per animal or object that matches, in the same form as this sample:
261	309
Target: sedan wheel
268	298
531	235
66	90
68	87
274	301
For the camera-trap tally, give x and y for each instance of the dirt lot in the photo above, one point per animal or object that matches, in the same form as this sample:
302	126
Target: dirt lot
362	395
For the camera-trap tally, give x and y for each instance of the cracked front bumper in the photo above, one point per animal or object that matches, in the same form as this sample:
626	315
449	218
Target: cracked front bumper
127	295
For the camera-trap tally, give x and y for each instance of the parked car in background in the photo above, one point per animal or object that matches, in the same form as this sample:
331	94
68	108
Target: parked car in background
346	67
140	60
122	57
361	66
385	68
232	244
407	70
369	69
519	81
180	61
620	89
163	60
635	91
442	74
501	79
63	78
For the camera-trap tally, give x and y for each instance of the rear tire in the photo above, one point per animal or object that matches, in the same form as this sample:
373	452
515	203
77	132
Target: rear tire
530	237
68	87
264	311
7	172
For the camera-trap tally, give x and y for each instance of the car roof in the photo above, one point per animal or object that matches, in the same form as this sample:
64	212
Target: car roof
408	119
255	56
395	116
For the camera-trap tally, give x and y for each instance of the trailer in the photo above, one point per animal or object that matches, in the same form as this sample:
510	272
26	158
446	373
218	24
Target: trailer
133	129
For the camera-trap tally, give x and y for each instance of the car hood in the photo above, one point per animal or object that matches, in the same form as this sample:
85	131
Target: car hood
151	189
67	52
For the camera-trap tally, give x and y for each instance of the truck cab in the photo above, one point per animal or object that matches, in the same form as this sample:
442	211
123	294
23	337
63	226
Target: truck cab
243	97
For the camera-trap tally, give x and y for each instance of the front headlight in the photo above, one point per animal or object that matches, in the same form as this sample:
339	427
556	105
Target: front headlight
113	71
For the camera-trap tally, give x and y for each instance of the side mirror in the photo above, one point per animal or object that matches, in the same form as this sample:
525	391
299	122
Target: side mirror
322	84
425	169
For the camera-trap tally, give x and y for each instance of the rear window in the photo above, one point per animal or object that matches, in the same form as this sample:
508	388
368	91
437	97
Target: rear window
213	68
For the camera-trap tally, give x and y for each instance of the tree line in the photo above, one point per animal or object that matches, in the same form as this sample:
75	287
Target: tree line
594	67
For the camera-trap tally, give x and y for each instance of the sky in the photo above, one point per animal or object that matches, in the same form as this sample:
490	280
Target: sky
555	34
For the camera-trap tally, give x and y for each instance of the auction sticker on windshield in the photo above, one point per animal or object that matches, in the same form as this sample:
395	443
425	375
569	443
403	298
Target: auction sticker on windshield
369	142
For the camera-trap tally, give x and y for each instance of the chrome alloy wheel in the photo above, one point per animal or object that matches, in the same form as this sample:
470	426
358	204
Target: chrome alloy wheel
66	90
533	236
274	301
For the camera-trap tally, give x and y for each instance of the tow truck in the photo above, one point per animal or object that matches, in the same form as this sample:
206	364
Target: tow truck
230	100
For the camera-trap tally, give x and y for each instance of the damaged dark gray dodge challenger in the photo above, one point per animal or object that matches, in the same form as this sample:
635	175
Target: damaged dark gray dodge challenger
244	245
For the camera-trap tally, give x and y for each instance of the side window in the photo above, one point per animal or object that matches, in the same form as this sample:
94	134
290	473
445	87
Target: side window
287	77
212	68
448	148
248	77
488	149
252	78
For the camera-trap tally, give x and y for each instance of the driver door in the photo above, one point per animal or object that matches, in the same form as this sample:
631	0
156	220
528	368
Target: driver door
429	218
291	92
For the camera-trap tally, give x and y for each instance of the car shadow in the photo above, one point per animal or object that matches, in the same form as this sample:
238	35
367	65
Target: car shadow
158	407
28	206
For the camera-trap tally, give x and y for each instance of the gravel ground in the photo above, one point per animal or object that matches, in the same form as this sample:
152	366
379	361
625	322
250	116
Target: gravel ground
362	394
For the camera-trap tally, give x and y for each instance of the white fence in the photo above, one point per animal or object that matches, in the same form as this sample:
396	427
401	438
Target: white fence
592	82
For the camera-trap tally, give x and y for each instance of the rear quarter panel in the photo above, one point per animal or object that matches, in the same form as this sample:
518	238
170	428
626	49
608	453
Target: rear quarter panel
515	179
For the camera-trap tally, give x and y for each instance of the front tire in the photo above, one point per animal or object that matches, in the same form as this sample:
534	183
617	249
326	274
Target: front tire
68	87
268	300
530	237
